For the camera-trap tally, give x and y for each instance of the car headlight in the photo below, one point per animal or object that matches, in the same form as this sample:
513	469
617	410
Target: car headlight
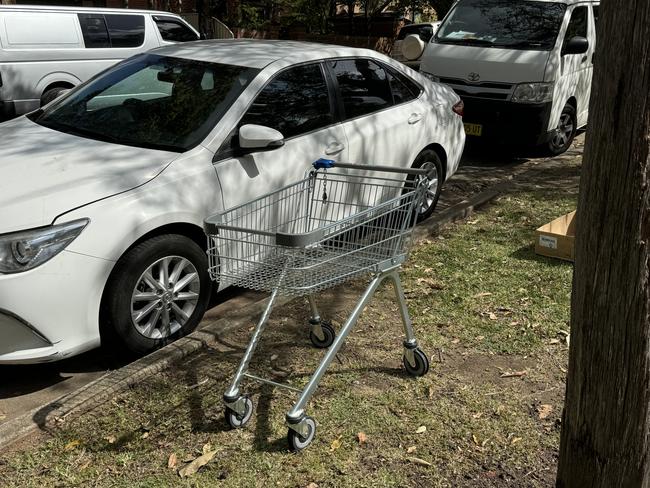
533	93
431	77
25	250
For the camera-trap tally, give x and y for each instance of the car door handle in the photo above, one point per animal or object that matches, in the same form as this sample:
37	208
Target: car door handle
334	148
414	118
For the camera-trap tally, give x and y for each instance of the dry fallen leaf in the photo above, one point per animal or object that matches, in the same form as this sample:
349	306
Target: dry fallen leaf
110	439
195	465
312	485
72	445
493	316
2	415
421	430
419	461
206	448
515	440
172	462
514	374
84	465
475	439
362	437
411	450
336	443
145	435
430	283
477	415
544	411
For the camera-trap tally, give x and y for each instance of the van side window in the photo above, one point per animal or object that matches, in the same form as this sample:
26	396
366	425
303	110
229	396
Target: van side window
577	24
94	30
173	30
112	30
125	30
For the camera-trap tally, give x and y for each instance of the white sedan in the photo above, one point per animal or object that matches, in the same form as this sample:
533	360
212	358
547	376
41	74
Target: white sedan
104	191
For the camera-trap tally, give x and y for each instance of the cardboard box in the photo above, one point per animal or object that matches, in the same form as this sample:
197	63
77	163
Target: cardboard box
557	238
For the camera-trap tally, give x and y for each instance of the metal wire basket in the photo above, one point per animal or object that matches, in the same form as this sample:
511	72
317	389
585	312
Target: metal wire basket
318	232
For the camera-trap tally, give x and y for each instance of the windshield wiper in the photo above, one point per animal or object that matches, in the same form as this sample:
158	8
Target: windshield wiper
466	42
520	44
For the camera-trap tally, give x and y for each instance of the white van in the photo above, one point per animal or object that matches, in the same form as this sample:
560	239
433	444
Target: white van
47	50
522	68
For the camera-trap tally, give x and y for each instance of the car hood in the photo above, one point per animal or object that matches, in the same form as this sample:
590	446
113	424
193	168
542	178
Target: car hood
44	173
491	64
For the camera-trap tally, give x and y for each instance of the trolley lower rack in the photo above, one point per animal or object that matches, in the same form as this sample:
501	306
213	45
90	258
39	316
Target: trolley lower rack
312	235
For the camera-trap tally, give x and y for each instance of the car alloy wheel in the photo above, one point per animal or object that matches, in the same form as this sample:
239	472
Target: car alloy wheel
564	133
165	297
431	195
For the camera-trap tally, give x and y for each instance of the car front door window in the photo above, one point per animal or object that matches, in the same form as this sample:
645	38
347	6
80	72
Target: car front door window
295	102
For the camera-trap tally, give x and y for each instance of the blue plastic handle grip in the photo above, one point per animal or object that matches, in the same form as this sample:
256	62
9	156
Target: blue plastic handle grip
323	163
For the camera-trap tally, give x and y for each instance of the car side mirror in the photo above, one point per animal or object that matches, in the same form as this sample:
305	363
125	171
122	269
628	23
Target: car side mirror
257	138
576	45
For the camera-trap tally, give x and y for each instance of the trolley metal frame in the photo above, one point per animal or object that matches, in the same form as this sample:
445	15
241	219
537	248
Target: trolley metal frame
326	229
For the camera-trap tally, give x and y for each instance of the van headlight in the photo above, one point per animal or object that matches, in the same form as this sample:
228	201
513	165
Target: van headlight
25	250
533	93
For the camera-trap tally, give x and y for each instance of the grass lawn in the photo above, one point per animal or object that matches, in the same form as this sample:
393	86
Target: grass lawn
493	317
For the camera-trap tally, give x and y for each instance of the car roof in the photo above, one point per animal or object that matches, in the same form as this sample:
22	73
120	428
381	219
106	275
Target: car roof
46	8
254	53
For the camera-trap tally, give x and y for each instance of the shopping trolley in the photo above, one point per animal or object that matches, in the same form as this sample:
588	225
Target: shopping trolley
330	227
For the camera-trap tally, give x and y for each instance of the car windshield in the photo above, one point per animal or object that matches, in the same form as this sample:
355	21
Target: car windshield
503	23
150	101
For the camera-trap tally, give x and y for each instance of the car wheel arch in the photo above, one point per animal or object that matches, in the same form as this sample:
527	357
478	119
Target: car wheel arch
185	229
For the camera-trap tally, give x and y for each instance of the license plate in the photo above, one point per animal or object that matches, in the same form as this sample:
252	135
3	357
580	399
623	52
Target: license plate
473	129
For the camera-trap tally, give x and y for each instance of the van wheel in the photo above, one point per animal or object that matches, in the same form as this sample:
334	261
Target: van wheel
52	94
565	132
158	292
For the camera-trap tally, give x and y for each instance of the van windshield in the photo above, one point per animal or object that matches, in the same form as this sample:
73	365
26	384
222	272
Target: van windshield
503	23
150	101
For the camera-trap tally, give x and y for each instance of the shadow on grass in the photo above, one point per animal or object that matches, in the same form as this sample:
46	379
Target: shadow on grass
527	253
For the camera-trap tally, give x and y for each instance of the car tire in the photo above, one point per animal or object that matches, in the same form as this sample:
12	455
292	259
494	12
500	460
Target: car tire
52	94
564	133
428	158
138	311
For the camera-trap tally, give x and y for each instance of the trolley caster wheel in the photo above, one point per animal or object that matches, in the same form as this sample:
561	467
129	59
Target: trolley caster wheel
236	420
421	363
296	441
329	335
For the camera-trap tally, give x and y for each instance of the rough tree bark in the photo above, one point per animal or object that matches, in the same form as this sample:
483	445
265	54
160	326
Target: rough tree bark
606	425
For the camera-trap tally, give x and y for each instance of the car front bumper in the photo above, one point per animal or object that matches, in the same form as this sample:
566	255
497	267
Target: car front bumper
508	122
52	311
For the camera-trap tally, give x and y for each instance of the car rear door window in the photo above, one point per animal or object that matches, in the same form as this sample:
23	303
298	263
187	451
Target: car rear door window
404	90
363	86
94	30
173	30
296	101
125	30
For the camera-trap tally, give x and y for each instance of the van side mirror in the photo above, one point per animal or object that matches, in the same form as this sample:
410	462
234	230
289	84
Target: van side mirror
257	138
576	45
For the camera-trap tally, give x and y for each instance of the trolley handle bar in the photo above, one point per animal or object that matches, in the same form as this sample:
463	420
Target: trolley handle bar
330	163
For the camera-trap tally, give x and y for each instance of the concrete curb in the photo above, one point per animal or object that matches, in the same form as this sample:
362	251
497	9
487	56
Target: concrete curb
90	396
103	389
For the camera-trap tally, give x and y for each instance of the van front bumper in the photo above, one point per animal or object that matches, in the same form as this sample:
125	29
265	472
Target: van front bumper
508	122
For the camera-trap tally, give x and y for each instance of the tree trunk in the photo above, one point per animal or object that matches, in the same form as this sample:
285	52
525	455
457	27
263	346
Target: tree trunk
606	425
